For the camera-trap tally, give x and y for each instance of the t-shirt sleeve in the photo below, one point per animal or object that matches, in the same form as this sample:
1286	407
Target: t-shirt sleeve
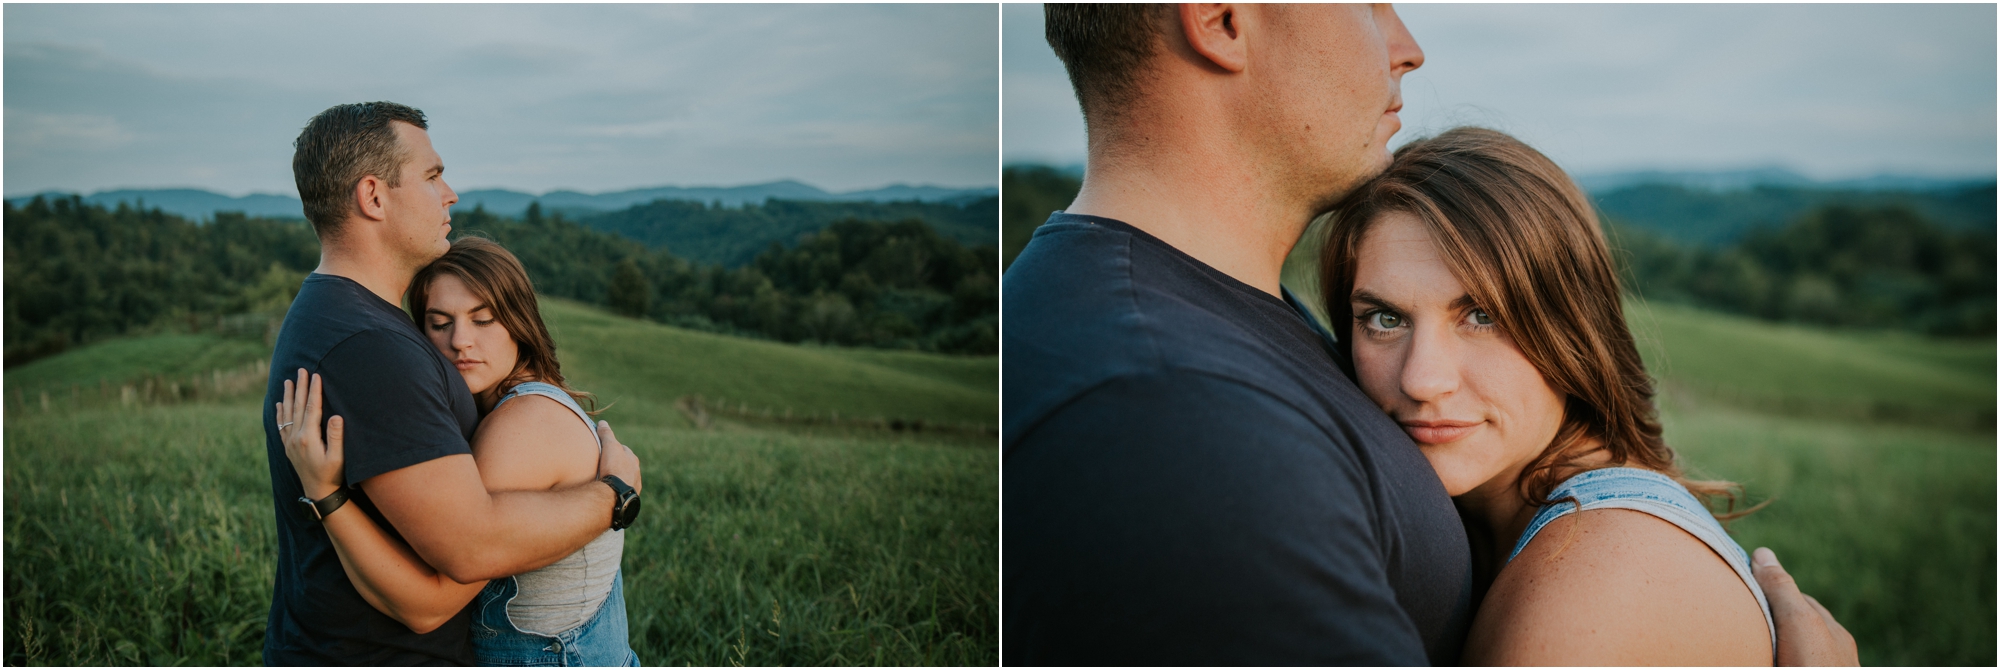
1182	519
394	397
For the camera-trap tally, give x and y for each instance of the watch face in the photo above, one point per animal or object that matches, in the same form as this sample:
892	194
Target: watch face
310	510
629	510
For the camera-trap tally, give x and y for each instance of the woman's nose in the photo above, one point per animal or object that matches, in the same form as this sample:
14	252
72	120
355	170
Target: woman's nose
1430	368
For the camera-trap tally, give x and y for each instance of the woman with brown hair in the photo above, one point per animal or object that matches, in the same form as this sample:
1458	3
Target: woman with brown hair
478	308
1476	303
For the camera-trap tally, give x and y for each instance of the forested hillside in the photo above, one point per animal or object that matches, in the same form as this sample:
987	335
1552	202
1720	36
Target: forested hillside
733	235
1719	217
76	273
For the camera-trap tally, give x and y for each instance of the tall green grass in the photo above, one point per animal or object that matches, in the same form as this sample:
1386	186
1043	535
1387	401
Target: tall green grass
142	534
1876	452
1891	527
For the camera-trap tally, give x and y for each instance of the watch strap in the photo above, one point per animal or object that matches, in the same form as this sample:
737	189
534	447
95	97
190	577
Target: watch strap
327	505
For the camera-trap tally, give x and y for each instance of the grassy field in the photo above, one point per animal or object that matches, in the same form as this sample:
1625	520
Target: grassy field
141	534
1877	452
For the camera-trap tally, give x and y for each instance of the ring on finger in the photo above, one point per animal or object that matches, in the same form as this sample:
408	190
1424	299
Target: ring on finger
287	423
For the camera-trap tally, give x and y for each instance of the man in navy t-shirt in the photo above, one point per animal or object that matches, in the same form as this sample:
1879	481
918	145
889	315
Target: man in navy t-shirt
374	190
1189	478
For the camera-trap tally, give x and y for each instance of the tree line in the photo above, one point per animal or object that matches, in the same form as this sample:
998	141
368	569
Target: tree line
1836	265
77	272
732	236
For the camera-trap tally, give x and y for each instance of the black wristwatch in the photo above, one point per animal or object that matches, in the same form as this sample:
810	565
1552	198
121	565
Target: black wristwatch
316	511
627	507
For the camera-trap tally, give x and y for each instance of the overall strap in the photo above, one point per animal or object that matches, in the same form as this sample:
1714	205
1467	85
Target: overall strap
554	392
1652	493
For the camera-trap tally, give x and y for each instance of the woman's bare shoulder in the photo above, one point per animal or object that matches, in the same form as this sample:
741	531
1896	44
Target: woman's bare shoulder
533	442
1618	587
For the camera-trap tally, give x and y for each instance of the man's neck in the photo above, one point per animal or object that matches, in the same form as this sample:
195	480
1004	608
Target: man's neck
385	279
1200	195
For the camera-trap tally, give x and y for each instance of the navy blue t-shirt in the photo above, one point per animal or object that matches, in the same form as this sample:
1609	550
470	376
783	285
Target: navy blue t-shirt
403	404
1189	479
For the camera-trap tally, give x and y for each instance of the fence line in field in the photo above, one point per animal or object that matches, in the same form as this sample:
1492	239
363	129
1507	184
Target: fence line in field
151	389
252	378
701	412
1850	409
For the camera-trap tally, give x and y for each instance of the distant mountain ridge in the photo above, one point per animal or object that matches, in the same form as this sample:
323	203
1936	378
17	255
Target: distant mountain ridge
200	205
1736	180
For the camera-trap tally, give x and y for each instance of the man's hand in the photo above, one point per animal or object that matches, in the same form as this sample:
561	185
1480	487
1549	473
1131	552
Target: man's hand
616	459
1807	633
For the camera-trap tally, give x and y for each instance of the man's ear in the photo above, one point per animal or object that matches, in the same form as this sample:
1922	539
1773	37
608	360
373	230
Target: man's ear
368	198
1214	30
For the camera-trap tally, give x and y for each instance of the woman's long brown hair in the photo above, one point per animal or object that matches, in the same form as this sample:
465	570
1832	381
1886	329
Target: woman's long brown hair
1527	245
496	276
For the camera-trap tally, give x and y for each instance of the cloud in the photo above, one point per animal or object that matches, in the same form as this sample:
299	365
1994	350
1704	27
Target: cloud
531	97
90	132
1831	90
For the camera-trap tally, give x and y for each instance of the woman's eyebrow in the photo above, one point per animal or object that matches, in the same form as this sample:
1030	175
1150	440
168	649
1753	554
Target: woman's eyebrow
1364	296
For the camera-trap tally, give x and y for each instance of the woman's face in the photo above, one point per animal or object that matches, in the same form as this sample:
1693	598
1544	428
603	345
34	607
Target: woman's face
462	326
1441	367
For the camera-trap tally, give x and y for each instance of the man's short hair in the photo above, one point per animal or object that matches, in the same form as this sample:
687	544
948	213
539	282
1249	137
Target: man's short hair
339	147
1104	46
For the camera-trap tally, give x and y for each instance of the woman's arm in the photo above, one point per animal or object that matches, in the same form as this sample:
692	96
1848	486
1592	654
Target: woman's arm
387	573
1618	587
534	443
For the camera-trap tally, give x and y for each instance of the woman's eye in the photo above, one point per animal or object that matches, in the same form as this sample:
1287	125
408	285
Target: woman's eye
1480	317
440	326
487	322
1385	321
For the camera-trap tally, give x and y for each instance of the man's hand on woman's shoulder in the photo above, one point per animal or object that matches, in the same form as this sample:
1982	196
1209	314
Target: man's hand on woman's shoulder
616	459
1807	633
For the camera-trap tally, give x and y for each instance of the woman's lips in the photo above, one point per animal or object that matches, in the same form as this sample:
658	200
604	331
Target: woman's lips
467	365
1440	432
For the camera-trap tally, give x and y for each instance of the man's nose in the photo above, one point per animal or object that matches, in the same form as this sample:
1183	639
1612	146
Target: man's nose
450	196
1404	54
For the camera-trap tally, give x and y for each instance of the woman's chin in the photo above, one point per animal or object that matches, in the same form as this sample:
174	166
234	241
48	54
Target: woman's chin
1457	481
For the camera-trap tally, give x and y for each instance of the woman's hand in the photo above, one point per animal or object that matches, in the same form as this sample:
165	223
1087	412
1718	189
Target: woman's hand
317	463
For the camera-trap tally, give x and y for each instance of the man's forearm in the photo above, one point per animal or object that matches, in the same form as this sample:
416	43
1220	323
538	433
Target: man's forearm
526	530
449	518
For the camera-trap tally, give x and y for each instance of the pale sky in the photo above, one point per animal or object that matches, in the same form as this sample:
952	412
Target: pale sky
1832	91
534	98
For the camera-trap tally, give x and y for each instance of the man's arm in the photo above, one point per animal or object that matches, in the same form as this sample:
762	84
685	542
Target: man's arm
446	514
1180	519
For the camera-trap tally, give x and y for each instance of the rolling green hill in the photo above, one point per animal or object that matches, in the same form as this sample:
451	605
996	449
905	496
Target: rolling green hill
641	366
1814	372
140	532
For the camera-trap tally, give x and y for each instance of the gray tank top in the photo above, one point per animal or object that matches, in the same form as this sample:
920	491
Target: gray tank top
1655	494
566	593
